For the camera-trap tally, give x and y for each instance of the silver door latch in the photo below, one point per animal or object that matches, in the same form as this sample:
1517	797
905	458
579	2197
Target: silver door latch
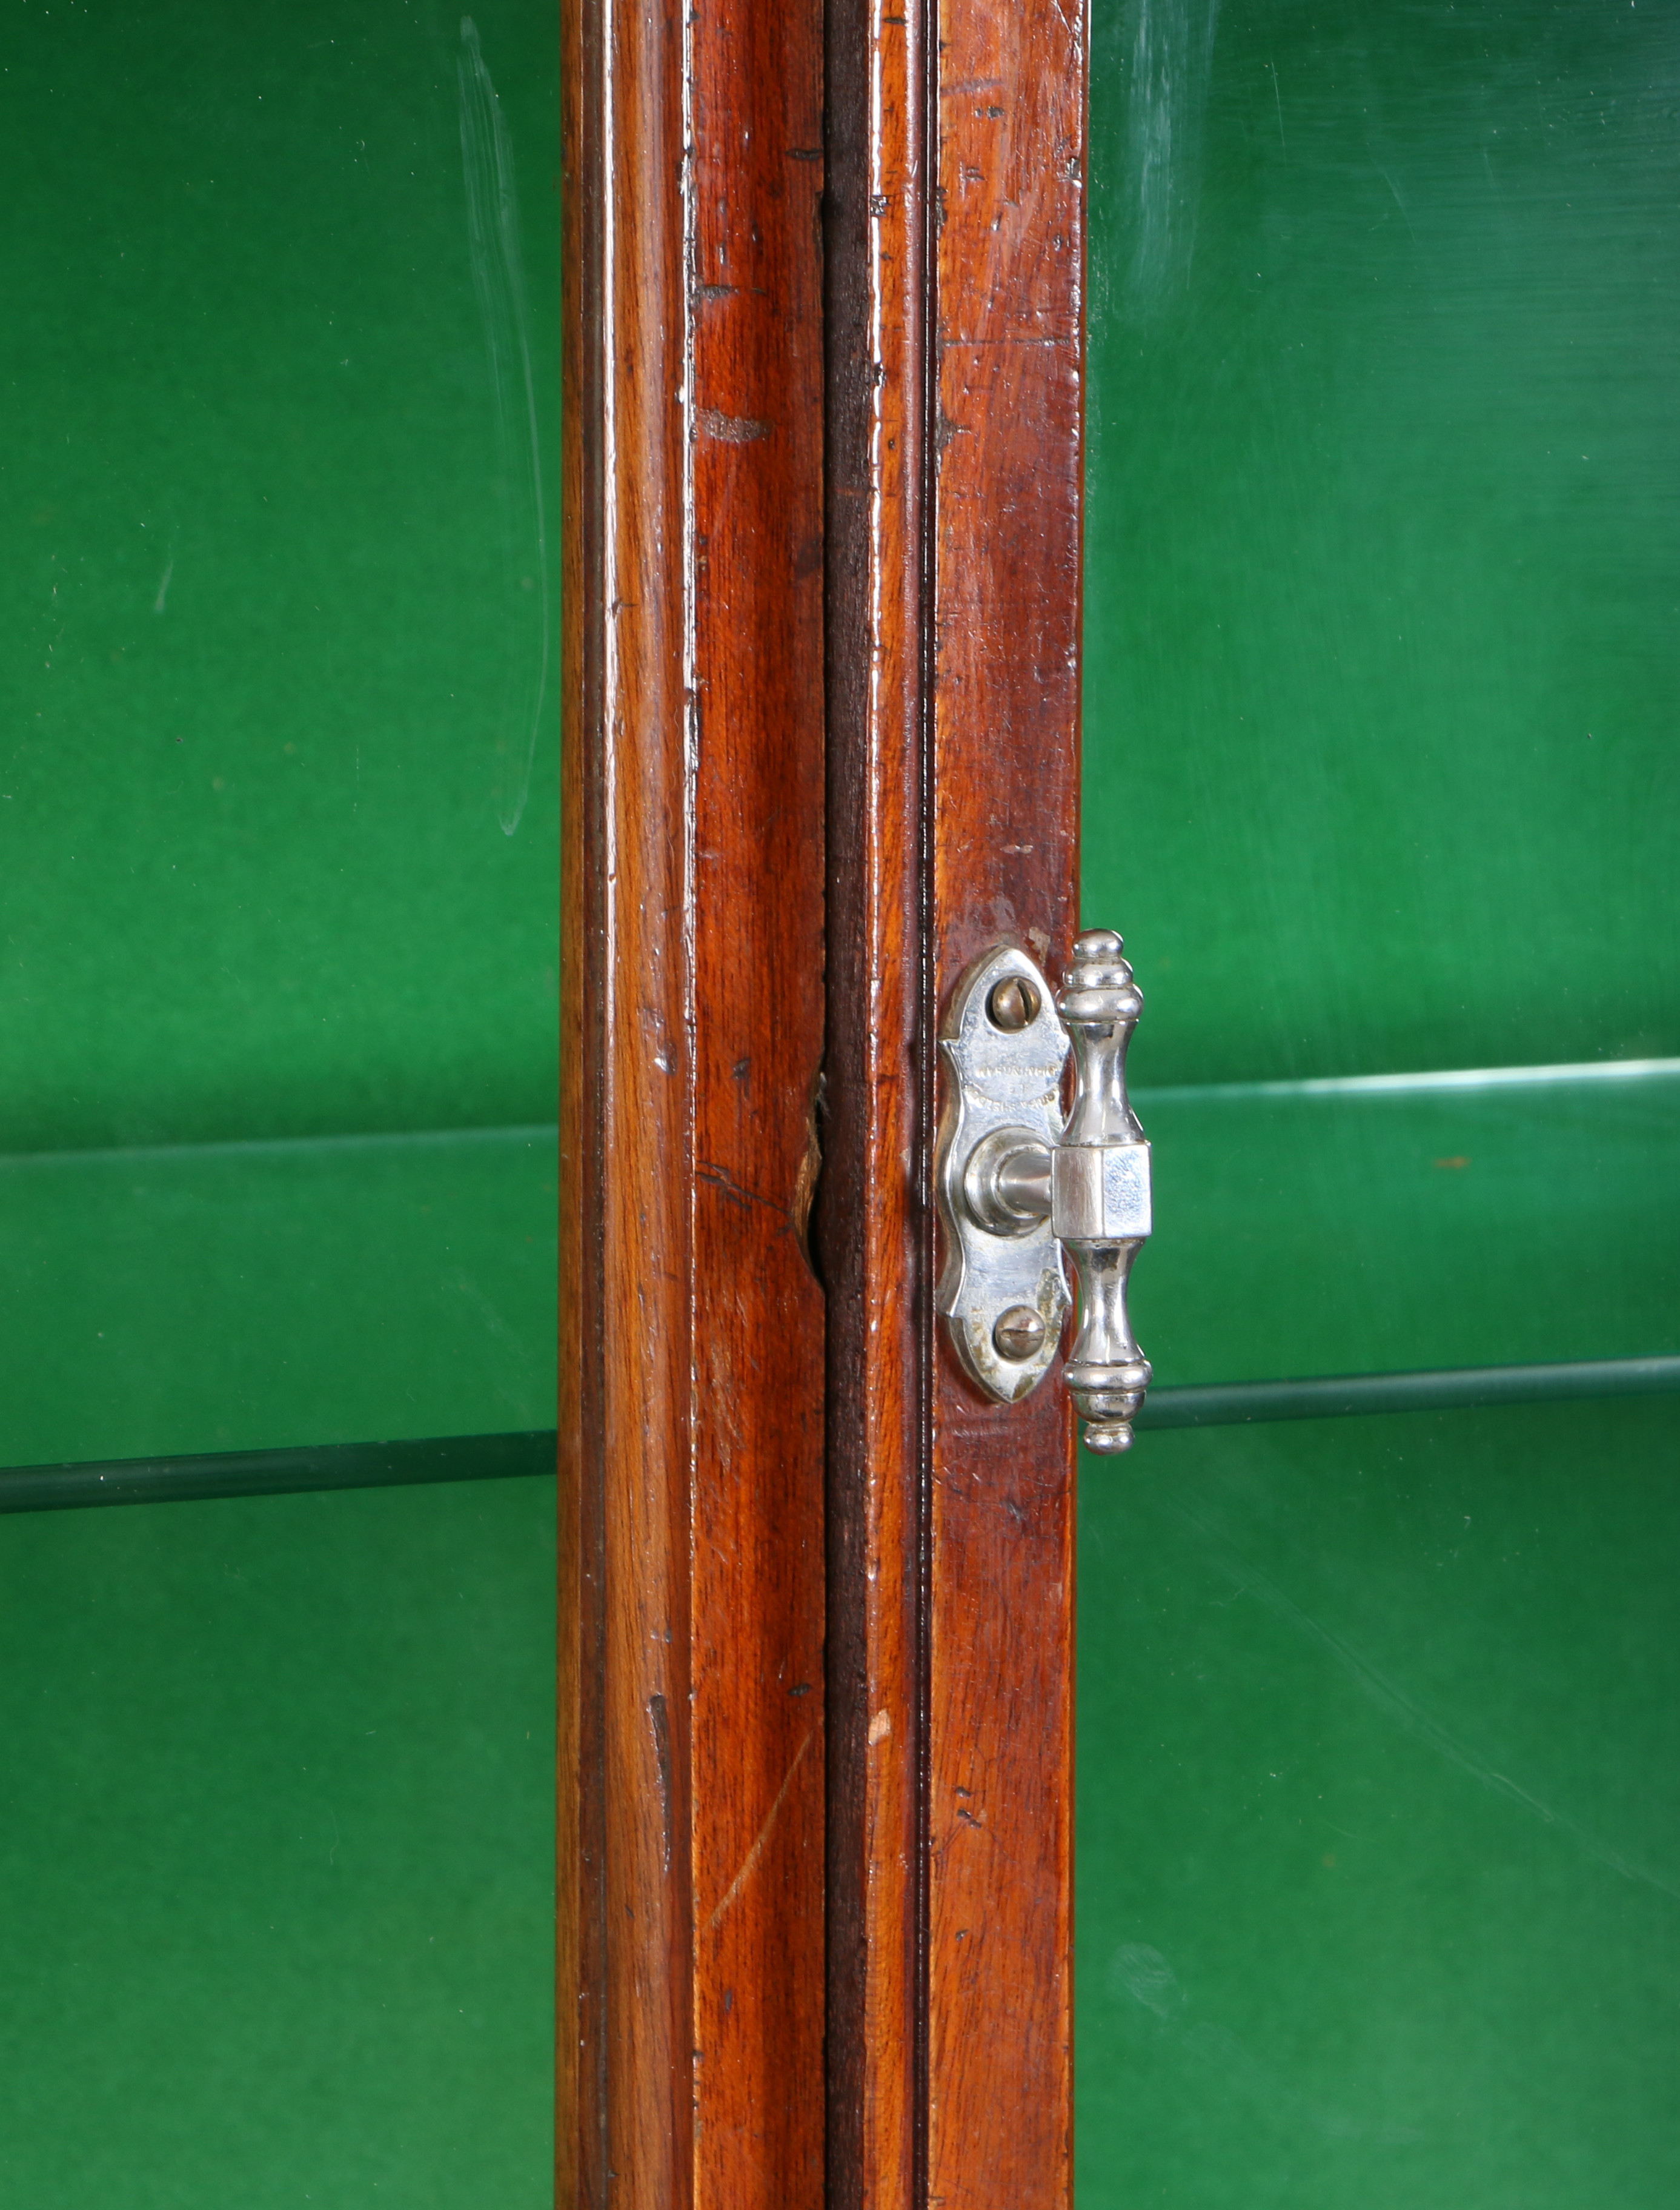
1019	1185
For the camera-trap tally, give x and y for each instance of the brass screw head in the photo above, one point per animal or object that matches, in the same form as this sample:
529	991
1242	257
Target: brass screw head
1019	1333
1013	1005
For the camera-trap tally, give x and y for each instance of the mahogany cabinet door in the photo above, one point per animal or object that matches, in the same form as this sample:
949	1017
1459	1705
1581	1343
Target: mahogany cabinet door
823	449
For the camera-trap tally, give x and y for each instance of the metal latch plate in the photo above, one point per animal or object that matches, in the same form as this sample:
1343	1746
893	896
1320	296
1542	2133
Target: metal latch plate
1000	1079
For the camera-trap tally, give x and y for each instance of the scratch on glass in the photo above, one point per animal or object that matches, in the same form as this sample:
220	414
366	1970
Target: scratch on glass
493	236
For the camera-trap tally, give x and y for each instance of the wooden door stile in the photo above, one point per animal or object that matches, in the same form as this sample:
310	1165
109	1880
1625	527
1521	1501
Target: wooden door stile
956	239
874	1215
691	1600
723	1766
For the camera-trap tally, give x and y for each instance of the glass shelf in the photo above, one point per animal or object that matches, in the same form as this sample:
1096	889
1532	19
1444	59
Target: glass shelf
1365	1231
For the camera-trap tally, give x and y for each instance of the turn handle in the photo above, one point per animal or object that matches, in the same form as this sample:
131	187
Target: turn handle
1019	1185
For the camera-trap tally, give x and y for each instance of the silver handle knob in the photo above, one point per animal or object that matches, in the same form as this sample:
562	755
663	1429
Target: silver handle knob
1100	1207
1019	1185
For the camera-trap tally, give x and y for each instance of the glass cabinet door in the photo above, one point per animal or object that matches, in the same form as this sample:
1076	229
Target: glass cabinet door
1378	1884
278	858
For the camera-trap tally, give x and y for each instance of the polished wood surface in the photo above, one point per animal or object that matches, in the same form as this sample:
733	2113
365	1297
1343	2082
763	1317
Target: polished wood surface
955	269
1006	717
691	2002
873	1216
742	452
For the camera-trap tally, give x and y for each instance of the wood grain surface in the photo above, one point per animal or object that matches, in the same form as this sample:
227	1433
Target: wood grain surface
1006	717
765	419
956	232
874	1215
691	1604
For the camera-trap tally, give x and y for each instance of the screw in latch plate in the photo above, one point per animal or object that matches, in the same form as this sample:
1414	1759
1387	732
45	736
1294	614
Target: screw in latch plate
1019	1333
1013	1003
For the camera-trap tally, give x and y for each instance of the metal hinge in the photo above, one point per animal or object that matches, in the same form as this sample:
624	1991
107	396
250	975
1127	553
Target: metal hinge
1019	1185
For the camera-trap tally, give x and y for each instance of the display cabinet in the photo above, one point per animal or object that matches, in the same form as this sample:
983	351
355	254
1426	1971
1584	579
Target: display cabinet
1199	471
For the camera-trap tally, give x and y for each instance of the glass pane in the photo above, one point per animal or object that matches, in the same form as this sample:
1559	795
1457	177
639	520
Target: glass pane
1381	657
278	753
1379	1823
277	1853
1384	531
1378	1760
278	818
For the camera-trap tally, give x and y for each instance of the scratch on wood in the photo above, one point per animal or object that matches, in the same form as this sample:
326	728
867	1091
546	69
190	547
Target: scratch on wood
659	1721
737	1192
749	1862
732	429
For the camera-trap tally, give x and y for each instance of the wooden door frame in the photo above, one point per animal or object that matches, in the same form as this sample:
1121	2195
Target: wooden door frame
823	336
